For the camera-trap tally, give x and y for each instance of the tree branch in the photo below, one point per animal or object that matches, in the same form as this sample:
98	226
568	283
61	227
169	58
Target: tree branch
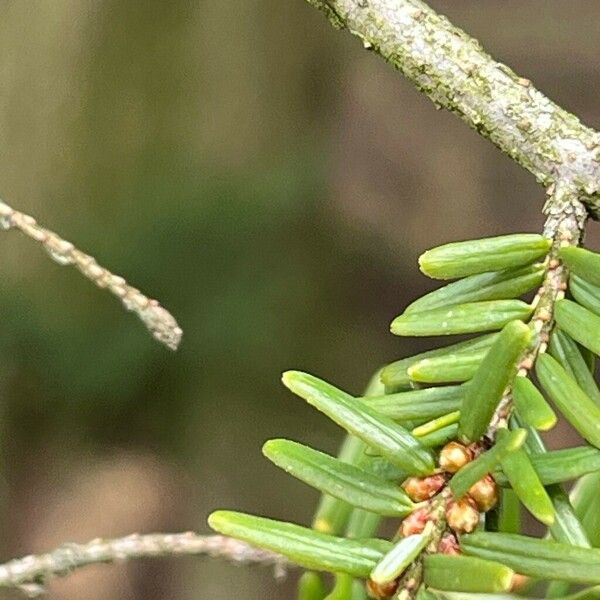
29	574
454	71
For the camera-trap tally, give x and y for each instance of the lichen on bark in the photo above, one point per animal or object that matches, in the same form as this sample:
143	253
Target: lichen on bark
455	72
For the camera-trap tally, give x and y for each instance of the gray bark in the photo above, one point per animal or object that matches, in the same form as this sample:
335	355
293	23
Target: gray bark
455	72
31	573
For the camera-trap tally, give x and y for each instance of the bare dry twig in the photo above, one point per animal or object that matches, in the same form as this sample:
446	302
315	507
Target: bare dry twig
159	321
31	573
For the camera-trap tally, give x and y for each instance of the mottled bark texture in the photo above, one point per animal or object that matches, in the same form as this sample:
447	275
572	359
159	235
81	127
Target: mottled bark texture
455	72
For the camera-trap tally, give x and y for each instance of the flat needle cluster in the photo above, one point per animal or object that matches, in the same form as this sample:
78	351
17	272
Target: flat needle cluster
447	444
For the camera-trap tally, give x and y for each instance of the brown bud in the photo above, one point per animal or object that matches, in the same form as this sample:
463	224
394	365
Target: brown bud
454	456
448	545
415	522
420	489
382	591
518	581
485	493
462	515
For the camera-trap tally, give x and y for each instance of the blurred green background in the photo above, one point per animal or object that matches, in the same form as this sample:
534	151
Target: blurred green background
272	184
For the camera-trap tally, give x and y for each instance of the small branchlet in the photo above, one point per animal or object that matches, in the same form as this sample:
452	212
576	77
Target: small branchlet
31	573
451	68
159	321
441	504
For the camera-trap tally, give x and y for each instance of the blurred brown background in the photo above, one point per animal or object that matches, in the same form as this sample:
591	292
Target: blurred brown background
273	184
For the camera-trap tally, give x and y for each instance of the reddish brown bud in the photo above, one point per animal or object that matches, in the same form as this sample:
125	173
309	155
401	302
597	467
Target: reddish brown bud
462	515
420	489
485	493
448	545
518	581
454	456
415	522
382	591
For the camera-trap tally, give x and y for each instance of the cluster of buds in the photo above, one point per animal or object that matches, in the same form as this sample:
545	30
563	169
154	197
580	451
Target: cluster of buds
419	489
463	515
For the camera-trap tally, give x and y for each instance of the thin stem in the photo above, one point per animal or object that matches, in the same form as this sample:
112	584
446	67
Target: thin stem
412	579
159	321
454	71
30	574
565	225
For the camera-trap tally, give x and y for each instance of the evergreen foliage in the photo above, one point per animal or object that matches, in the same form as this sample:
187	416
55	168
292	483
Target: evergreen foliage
440	460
